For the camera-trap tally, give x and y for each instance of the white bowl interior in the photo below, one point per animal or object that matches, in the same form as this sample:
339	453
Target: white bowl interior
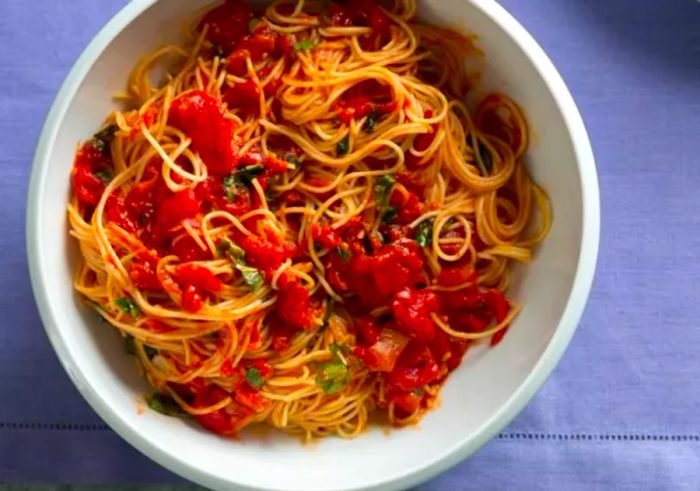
473	396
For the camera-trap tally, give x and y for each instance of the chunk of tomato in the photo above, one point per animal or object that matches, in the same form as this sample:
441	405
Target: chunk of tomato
227	24
412	309
382	355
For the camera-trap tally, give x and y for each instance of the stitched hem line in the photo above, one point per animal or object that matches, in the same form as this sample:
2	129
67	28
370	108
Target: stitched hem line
599	437
594	437
13	425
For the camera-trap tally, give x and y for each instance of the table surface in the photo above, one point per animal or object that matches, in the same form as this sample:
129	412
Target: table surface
621	408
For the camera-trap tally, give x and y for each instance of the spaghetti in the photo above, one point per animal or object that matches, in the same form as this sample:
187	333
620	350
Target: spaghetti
304	224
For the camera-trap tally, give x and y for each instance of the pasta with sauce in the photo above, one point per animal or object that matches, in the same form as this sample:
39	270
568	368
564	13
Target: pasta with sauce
305	224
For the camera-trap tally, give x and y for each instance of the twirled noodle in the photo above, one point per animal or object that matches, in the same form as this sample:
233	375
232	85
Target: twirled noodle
464	163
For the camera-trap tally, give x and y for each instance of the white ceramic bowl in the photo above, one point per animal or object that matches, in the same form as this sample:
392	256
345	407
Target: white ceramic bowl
480	398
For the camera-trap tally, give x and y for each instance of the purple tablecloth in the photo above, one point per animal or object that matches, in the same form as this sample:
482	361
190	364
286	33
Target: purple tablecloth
622	407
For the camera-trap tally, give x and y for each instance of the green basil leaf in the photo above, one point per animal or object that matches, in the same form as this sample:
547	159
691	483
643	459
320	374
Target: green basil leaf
382	192
103	138
304	44
343	146
127	306
292	159
343	253
390	214
330	304
336	348
130	347
150	351
218	51
229	180
486	163
254	378
251	276
332	376
164	405
424	233
248	173
241	177
226	248
104	176
371	122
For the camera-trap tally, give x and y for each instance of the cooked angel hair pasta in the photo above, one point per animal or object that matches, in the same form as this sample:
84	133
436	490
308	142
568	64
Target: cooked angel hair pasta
305	223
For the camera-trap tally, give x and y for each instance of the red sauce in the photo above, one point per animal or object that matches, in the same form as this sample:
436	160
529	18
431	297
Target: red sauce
362	13
227	421
87	186
364	99
245	97
326	236
201	117
412	309
369	270
293	304
142	272
383	353
265	253
227	24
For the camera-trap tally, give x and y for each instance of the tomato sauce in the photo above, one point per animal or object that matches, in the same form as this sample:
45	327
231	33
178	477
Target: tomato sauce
373	267
201	117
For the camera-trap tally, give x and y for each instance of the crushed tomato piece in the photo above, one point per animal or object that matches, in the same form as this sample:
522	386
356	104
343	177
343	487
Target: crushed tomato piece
293	304
200	115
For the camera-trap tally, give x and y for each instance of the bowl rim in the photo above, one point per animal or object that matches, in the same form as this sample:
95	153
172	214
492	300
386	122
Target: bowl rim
568	323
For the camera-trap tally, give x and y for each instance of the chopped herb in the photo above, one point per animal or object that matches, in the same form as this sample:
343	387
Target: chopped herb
292	159
485	164
127	306
424	233
241	177
104	176
150	351
251	276
102	139
371	122
248	173
332	376
223	247
304	44
342	348
130	347
253	22
382	193
328	312
390	214
226	248
229	180
343	146
254	378
343	253
164	405
218	51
